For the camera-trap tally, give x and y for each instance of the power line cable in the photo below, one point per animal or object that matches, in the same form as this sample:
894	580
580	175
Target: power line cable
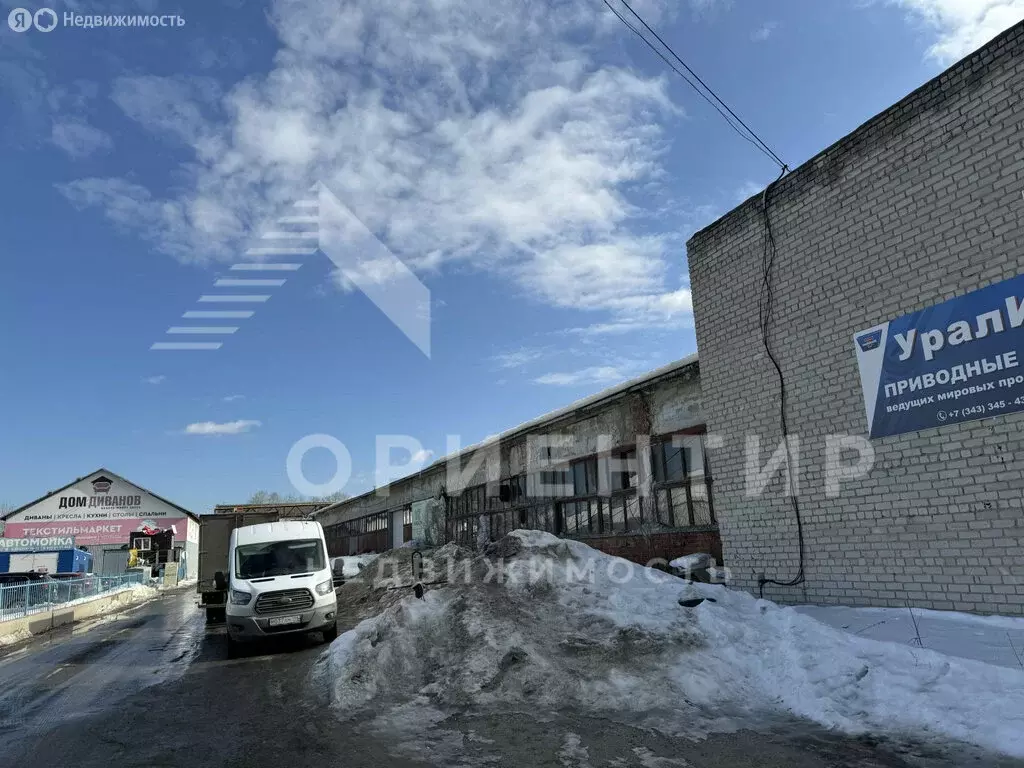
708	88
711	99
766	298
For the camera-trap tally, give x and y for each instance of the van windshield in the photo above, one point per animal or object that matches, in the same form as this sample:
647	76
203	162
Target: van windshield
279	558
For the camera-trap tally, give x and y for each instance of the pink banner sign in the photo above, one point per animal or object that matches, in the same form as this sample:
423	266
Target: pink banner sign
98	531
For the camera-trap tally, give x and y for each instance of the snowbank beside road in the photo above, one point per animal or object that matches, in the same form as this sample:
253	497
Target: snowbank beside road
992	639
141	592
559	624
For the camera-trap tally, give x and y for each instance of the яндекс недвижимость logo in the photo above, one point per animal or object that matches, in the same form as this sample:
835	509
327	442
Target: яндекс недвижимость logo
22	19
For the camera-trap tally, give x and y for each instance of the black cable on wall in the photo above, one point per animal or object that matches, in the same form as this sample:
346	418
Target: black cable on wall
766	306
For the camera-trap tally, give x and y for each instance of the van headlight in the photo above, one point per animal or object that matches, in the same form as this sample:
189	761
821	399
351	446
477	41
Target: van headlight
324	587
238	597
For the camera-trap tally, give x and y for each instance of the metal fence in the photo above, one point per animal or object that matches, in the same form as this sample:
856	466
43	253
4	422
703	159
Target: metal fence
32	596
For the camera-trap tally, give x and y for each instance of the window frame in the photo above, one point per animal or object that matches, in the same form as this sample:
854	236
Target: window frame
659	472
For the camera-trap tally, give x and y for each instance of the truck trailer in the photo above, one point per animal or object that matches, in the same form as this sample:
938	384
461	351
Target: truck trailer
214	544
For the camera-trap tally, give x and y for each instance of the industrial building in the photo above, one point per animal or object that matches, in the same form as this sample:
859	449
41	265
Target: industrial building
108	515
875	292
623	470
868	307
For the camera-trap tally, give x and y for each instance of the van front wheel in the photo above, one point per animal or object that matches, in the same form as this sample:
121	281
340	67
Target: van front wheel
331	633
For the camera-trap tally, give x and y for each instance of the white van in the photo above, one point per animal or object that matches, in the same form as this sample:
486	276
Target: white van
280	582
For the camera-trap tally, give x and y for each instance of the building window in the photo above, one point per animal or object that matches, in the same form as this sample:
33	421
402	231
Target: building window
622	473
682	482
584	477
551	484
667	462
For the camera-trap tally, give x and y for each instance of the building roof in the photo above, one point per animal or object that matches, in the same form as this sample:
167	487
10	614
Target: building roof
611	393
113	475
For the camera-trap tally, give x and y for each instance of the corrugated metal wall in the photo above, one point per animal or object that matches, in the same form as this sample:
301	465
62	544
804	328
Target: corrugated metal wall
109	561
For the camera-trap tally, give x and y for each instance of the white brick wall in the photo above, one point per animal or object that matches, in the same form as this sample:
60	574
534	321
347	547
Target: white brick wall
920	204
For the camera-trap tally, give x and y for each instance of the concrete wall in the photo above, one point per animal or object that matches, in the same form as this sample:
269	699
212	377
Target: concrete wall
920	204
44	621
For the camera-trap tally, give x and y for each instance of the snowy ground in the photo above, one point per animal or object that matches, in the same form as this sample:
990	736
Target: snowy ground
11	638
541	623
995	640
353	564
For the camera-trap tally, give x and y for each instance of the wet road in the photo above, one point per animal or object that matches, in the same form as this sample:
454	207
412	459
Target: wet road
154	687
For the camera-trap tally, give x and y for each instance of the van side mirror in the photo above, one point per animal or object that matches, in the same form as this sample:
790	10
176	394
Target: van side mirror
220	581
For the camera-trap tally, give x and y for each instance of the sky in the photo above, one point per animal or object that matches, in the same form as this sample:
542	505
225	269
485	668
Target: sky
532	166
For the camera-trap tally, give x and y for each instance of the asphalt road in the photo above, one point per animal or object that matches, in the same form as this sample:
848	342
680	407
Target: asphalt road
154	687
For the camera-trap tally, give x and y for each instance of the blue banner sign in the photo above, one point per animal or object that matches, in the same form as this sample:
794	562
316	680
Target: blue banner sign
37	544
958	361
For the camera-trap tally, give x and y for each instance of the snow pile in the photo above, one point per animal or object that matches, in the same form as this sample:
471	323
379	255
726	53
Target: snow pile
138	593
696	561
538	621
993	639
11	638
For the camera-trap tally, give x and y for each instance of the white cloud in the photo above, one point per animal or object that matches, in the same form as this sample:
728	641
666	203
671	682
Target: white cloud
176	227
763	32
233	398
155	379
79	139
516	358
508	147
175	106
604	374
964	25
225	428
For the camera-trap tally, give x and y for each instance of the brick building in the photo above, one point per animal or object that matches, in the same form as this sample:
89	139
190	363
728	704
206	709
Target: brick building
921	204
605	470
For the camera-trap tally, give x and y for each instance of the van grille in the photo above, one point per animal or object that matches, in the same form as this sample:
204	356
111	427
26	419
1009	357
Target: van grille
284	601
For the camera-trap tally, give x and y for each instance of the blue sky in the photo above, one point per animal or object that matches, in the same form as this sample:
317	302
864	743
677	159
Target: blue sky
534	165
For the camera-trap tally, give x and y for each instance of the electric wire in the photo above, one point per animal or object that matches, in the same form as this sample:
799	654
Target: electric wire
765	306
724	110
766	298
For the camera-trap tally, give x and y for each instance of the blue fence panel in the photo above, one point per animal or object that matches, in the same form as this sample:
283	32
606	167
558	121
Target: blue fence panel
21	599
